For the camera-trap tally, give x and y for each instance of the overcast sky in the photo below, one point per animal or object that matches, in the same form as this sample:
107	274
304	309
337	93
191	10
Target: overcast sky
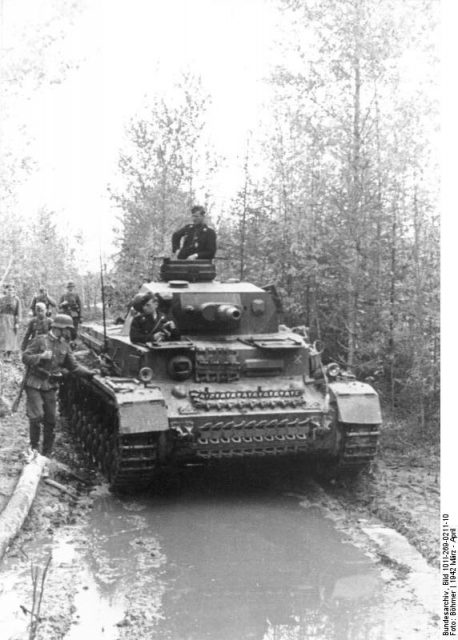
127	49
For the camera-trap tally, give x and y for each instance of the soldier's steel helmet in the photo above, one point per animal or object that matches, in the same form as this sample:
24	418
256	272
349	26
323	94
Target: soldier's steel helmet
62	321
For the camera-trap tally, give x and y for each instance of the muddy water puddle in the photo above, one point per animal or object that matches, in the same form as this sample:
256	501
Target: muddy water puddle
227	563
223	562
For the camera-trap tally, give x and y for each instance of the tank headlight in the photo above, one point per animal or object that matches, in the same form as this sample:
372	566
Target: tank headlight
179	392
332	370
146	374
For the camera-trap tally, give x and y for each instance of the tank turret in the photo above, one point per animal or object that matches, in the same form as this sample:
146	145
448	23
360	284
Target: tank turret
236	384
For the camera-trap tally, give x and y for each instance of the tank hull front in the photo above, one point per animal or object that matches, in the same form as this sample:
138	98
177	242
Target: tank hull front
130	431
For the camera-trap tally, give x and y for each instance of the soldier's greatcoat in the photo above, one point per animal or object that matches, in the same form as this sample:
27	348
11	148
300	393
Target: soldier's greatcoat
10	316
73	301
41	385
40	375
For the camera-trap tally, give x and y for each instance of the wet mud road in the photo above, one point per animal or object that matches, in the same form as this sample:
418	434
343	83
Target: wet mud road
229	556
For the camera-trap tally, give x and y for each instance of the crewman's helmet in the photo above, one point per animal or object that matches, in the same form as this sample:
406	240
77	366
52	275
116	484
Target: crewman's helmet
61	321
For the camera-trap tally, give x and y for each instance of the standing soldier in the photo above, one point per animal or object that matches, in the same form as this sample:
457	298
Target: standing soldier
39	325
42	296
74	304
10	317
199	240
46	357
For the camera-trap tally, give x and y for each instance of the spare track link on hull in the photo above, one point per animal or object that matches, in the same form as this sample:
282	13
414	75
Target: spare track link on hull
358	446
128	461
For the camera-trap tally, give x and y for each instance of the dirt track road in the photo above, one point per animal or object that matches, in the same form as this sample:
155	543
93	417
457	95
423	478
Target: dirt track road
241	556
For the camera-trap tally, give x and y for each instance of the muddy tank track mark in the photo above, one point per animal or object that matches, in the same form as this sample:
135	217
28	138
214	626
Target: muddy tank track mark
358	446
128	461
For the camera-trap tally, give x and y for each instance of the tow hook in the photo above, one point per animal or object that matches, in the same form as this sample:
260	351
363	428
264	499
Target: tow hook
183	432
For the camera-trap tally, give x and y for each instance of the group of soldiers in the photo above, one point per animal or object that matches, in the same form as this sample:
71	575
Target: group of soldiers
41	309
46	351
46	345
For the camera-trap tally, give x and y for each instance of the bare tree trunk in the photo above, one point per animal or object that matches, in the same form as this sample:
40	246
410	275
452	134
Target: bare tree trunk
244	211
419	307
392	312
379	204
355	201
191	180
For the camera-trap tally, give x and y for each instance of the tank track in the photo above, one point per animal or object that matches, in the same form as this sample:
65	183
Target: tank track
128	461
358	446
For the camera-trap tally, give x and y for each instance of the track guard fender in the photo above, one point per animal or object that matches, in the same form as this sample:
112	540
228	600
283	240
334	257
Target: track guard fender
357	402
141	408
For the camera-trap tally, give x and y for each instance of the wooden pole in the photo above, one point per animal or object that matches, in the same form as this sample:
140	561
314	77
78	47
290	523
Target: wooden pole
14	514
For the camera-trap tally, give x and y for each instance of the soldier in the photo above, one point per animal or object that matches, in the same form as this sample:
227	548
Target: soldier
42	296
150	325
38	326
46	357
199	239
10	317
74	304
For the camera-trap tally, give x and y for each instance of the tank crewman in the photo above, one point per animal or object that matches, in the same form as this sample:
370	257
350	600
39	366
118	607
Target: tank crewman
42	296
150	325
10	317
39	325
46	357
74	304
199	240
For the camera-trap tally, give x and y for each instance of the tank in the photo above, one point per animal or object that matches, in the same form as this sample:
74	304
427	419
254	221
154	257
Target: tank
237	384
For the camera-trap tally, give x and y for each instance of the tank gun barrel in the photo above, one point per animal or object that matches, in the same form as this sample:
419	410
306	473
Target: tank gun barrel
214	312
228	312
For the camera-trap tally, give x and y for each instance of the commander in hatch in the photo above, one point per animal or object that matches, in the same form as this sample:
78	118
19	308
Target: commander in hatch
150	325
199	240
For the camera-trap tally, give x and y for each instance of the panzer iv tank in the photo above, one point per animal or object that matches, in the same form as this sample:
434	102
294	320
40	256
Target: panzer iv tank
236	384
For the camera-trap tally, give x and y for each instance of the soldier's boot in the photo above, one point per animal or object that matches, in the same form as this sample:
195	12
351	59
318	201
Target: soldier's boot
48	438
34	433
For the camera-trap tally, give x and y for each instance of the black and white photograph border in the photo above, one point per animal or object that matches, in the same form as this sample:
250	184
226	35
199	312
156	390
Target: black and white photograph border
312	145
